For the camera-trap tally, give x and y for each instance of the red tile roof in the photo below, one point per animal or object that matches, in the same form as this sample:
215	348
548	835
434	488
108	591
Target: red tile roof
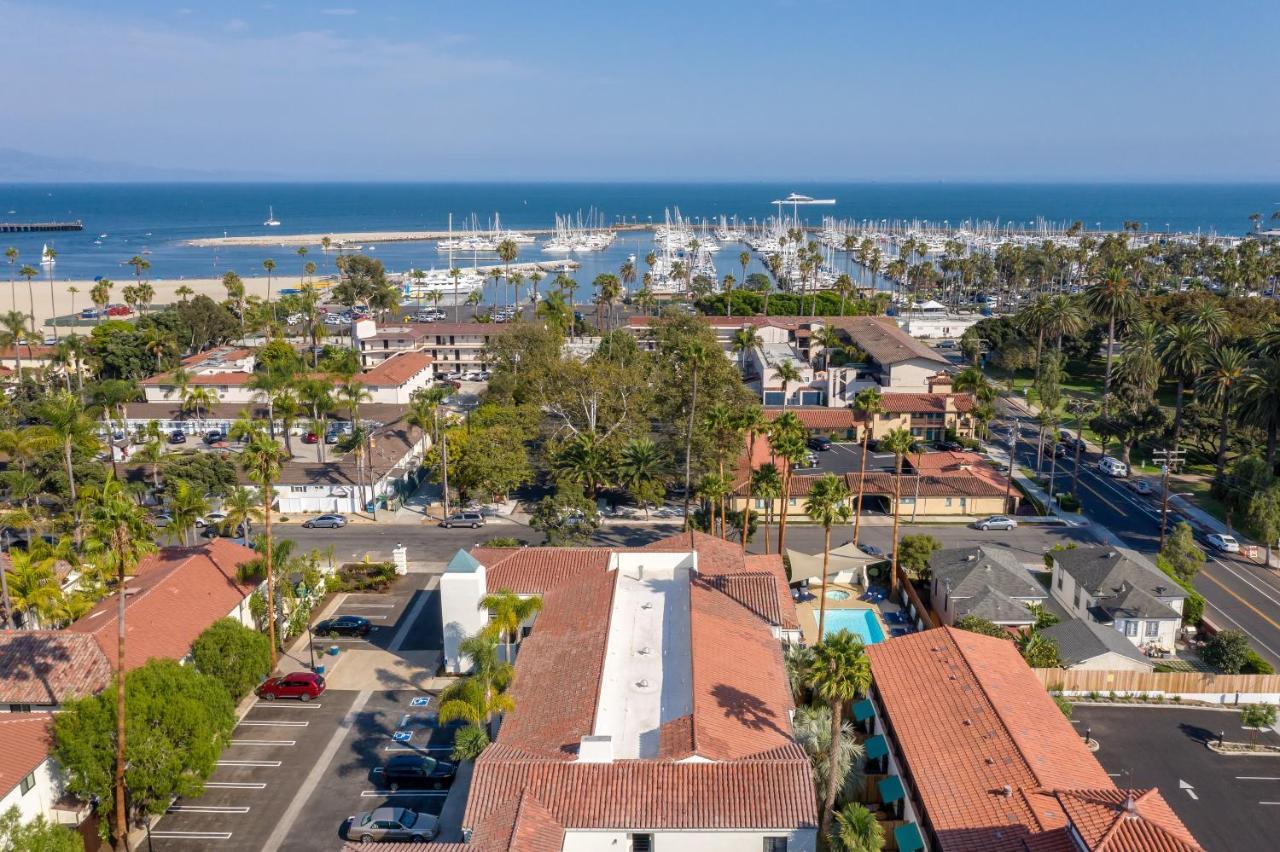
1112	820
984	745
50	666
28	353
535	570
486	329
818	418
26	745
524	824
895	402
174	595
973	482
396	370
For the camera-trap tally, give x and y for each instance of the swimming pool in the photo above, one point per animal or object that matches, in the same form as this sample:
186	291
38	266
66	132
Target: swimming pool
861	622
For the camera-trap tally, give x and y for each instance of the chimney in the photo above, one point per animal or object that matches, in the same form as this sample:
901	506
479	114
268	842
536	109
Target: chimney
595	749
939	383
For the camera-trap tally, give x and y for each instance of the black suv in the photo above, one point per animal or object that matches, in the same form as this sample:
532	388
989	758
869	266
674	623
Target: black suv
820	442
417	770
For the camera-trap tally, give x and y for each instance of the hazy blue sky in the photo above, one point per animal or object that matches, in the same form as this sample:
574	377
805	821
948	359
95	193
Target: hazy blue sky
651	90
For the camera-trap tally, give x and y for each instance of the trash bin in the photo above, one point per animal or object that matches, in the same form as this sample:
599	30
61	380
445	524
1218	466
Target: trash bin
333	650
318	669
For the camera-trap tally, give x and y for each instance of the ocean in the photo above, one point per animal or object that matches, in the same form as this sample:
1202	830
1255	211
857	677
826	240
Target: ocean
159	218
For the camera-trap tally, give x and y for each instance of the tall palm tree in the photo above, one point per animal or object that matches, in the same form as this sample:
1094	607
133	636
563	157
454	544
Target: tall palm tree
838	672
787	372
480	695
29	272
64	417
11	255
899	442
13	334
507	611
745	340
857	830
1261	402
766	485
241	508
269	265
828	504
752	422
869	403
723	424
1226	370
1183	350
787	438
351	394
121	535
1113	299
262	460
187	504
316	396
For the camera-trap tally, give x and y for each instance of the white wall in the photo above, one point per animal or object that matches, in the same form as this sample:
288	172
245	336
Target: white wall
460	594
942	325
38	801
1110	662
911	376
798	840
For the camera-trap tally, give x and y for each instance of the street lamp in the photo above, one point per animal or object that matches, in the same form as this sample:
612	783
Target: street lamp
311	646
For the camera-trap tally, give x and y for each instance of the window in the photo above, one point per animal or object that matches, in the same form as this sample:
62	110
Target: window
948	503
1060	576
791	501
1075	600
297	489
908	501
775	844
1131	628
27	784
760	504
1153	629
19	708
641	842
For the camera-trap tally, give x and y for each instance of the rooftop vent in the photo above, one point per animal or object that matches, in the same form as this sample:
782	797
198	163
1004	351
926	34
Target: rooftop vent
643	683
645	651
1006	791
647	605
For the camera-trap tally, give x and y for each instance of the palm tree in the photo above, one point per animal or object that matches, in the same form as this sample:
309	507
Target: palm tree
11	255
1260	406
787	372
729	281
828	504
316	396
482	693
787	437
1114	299
752	422
722	422
640	469
1226	369
857	830
241	508
29	272
269	265
869	403
1183	351
585	460
766	485
50	254
507	611
351	394
187	504
100	295
899	442
838	672
64	417
31	585
745	340
121	535
13	334
198	398
262	460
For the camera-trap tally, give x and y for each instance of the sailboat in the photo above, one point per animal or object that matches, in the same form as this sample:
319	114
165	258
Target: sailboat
47	257
272	221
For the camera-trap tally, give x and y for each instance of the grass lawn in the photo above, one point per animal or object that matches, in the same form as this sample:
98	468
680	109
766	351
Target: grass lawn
1198	486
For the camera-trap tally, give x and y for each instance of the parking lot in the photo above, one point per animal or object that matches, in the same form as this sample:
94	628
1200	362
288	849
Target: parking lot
294	772
1228	802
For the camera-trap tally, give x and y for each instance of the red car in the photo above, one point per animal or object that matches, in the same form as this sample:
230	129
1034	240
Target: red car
119	311
303	686
311	438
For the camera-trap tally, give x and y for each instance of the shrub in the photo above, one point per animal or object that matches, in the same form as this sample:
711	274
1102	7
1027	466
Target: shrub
1254	664
977	624
365	577
1067	502
502	541
1227	651
914	552
237	657
1193	606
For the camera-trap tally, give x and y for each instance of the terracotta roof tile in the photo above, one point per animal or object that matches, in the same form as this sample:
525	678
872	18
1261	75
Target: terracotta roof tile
26	745
50	666
881	338
174	595
818	418
523	824
895	402
1112	820
537	570
396	370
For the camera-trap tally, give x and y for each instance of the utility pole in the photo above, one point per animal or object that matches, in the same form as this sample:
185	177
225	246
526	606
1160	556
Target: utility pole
1079	406
1169	460
1013	460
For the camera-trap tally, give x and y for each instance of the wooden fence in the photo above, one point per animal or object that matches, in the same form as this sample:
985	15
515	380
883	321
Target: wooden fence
1080	680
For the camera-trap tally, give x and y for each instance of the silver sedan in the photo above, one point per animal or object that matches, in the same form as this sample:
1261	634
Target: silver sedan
392	824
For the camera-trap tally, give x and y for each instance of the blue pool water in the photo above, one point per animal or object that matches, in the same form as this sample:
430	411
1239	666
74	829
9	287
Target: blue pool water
861	622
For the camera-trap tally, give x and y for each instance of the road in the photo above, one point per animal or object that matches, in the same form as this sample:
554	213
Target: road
1239	594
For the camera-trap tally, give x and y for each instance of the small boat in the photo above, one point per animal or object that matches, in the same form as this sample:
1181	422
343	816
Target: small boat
272	221
47	256
102	236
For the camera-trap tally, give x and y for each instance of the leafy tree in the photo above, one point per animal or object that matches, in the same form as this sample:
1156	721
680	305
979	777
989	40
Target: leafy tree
1044	618
977	624
914	552
1264	516
507	611
1039	650
838	672
1193	606
812	728
566	519
857	830
488	462
208	473
117	350
1181	553
38	835
1257	717
1227	651
238	657
178	721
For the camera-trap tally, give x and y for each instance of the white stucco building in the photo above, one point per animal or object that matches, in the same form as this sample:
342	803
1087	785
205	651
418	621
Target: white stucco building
1105	586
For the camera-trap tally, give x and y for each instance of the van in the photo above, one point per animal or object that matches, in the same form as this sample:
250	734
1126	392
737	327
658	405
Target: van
1113	467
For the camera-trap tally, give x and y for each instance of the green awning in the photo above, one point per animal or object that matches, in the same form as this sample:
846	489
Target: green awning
877	747
862	710
891	789
908	837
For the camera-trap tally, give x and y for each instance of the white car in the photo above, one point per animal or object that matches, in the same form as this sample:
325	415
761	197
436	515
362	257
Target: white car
1223	542
211	519
997	522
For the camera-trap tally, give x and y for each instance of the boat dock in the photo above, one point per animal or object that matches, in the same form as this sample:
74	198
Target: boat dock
32	227
365	238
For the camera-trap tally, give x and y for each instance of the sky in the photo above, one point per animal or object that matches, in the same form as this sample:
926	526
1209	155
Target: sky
653	91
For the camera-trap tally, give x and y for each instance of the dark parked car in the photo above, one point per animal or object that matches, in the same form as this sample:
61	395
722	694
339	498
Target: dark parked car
417	770
303	686
325	522
177	436
820	442
215	436
343	625
949	446
870	550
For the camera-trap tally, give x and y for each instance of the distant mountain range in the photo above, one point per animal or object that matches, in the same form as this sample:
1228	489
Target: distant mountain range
24	167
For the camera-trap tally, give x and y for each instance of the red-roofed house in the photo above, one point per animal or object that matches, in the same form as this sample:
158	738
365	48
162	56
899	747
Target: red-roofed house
41	669
29	779
652	704
173	596
975	757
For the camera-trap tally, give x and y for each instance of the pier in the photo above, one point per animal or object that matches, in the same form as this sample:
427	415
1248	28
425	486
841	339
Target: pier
366	237
33	227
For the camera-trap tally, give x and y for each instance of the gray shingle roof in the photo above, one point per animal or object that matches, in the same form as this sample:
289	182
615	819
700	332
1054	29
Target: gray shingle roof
1133	602
986	581
1105	572
995	607
1080	640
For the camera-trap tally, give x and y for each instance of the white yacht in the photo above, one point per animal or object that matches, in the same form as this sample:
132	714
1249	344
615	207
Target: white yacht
47	256
272	221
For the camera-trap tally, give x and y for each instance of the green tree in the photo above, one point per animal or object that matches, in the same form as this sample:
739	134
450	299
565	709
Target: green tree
766	485
1226	370
186	504
1227	651
38	835
237	657
1112	299
1264	516
828	504
1040	651
262	460
977	624
838	672
178	721
507	611
488	462
481	694
63	414
857	830
914	552
566	519
787	438
641	470
1182	554
867	404
812	730
1257	717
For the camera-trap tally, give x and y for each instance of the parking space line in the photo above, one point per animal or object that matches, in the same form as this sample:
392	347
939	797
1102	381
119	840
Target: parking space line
374	616
424	748
192	835
1269	803
371	605
208	809
264	763
1257	778
265	742
278	723
296	705
234	785
373	794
